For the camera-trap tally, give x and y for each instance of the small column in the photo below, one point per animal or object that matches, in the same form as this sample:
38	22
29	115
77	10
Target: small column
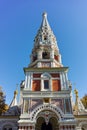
30	105
26	81
39	64
78	128
31	127
23	106
60	59
52	64
52	54
31	77
61	81
64	83
29	80
26	105
39	54
66	80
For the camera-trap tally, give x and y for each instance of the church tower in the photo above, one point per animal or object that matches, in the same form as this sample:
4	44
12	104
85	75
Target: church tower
45	93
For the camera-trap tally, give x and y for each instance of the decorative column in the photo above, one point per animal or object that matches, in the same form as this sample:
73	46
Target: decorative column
39	54
61	81
31	127
52	54
66	80
31	77
29	80
26	80
39	57
62	77
52	57
39	64
78	128
60	59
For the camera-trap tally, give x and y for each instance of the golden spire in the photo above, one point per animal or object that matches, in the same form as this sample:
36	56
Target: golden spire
15	93
76	93
76	101
14	101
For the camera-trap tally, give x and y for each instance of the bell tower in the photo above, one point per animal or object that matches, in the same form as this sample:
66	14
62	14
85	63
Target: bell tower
45	53
45	93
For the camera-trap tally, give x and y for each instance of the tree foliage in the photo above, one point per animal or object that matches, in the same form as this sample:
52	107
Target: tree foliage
3	106
84	101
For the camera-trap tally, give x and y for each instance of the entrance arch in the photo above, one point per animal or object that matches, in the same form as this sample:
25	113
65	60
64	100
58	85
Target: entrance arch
47	120
47	107
45	126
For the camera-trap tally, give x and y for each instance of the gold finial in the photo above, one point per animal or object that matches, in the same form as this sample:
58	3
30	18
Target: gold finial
76	101
76	92
16	91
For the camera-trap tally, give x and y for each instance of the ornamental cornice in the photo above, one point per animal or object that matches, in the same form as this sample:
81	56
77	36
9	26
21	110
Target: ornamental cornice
30	94
58	69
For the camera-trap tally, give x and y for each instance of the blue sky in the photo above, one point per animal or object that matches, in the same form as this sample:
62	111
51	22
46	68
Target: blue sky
19	22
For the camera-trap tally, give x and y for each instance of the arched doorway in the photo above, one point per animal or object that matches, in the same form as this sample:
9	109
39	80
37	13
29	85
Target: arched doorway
52	123
7	127
45	126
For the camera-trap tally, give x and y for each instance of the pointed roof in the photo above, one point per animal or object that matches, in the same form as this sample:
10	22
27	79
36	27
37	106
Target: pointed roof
45	35
78	107
14	101
45	21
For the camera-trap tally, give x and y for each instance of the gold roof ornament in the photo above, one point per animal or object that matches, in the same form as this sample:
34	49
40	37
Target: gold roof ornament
76	92
15	92
76	101
14	101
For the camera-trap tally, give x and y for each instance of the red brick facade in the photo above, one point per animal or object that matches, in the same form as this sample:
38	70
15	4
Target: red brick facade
36	85
56	85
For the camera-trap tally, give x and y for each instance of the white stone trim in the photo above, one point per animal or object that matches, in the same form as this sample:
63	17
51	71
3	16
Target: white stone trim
47	107
48	77
9	123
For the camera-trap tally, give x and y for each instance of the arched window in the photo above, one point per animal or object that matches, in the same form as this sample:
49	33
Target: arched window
45	55
46	82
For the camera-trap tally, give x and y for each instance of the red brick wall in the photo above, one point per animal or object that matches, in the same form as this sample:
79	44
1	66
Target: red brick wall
36	85
36	75
56	85
55	75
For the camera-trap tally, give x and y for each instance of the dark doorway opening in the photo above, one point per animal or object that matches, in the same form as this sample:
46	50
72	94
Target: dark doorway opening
46	126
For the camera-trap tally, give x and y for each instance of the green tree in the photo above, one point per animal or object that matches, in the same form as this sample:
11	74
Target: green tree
3	106
84	101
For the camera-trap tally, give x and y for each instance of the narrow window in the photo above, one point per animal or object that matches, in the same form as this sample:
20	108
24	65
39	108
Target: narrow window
46	84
